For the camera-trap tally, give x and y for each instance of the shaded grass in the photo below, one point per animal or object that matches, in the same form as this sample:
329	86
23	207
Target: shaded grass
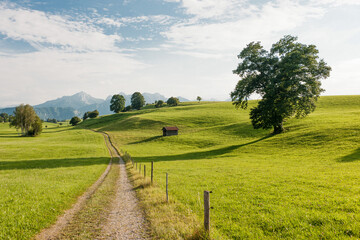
298	185
42	176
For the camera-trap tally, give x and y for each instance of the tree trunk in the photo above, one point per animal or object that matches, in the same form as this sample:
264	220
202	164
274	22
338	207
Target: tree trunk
278	128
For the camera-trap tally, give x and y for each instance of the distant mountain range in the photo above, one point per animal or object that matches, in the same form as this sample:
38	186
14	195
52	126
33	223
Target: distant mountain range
76	105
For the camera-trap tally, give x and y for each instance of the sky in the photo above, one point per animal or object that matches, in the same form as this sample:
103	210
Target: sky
188	48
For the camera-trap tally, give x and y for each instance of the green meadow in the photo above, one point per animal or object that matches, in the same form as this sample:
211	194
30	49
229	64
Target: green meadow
42	176
302	184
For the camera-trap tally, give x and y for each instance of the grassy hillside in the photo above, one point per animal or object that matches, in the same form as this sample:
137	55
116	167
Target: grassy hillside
301	184
41	176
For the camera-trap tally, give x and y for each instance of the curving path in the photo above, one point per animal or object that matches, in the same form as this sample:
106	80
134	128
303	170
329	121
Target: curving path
125	221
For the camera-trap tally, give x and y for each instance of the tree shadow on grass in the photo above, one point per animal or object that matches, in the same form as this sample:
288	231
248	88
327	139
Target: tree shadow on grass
201	154
355	156
146	140
52	163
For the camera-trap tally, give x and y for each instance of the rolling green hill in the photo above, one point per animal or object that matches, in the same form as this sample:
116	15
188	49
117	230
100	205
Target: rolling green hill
298	185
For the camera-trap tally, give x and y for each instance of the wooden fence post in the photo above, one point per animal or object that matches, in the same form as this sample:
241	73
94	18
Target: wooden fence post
144	171
152	172
207	211
167	192
140	168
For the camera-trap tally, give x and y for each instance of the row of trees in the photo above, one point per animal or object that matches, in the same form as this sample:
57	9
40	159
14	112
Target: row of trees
117	102
91	114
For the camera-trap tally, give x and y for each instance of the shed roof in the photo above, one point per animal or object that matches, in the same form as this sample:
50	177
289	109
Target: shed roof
170	128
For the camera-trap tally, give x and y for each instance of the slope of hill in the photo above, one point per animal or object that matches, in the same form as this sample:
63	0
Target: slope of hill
302	184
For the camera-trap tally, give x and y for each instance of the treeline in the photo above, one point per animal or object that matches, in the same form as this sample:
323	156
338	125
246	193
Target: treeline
117	103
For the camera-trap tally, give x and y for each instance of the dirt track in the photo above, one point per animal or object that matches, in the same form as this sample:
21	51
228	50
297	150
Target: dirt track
125	221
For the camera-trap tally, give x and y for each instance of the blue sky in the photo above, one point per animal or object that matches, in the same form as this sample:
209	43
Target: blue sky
51	48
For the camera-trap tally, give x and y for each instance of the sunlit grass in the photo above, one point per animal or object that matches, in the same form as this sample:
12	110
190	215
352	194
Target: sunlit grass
41	176
297	185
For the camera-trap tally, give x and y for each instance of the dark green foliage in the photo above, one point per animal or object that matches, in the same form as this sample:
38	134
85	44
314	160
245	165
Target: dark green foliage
52	120
159	104
287	78
137	100
93	114
199	98
173	101
75	121
117	103
85	116
4	117
36	127
127	109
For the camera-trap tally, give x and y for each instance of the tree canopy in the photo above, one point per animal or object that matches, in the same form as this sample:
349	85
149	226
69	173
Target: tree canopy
137	100
93	114
117	103
287	78
27	120
75	121
159	104
199	98
172	101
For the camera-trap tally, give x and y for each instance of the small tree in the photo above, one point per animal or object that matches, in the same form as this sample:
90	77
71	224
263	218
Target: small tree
173	101
127	108
117	103
36	127
5	117
137	100
85	116
75	121
199	98
159	104
24	117
93	114
287	78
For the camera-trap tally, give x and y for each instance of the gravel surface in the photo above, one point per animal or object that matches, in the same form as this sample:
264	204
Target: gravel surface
126	220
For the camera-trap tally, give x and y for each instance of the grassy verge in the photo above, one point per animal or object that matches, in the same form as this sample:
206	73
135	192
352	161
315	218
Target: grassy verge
42	176
168	220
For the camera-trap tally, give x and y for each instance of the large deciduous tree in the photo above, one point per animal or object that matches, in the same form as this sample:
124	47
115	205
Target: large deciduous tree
287	78
117	103
137	100
26	119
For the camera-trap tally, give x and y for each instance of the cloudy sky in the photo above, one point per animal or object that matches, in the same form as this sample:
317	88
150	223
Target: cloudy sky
51	48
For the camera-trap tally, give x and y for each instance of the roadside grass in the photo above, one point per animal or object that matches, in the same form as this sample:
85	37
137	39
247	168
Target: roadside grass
42	176
302	184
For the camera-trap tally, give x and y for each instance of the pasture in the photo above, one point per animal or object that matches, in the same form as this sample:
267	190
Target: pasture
42	176
302	184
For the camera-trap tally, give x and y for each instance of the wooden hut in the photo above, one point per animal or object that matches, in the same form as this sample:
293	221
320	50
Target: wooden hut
170	131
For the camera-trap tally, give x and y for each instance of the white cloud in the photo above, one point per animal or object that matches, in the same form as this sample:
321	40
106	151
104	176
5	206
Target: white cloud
39	76
344	78
253	23
110	21
39	29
